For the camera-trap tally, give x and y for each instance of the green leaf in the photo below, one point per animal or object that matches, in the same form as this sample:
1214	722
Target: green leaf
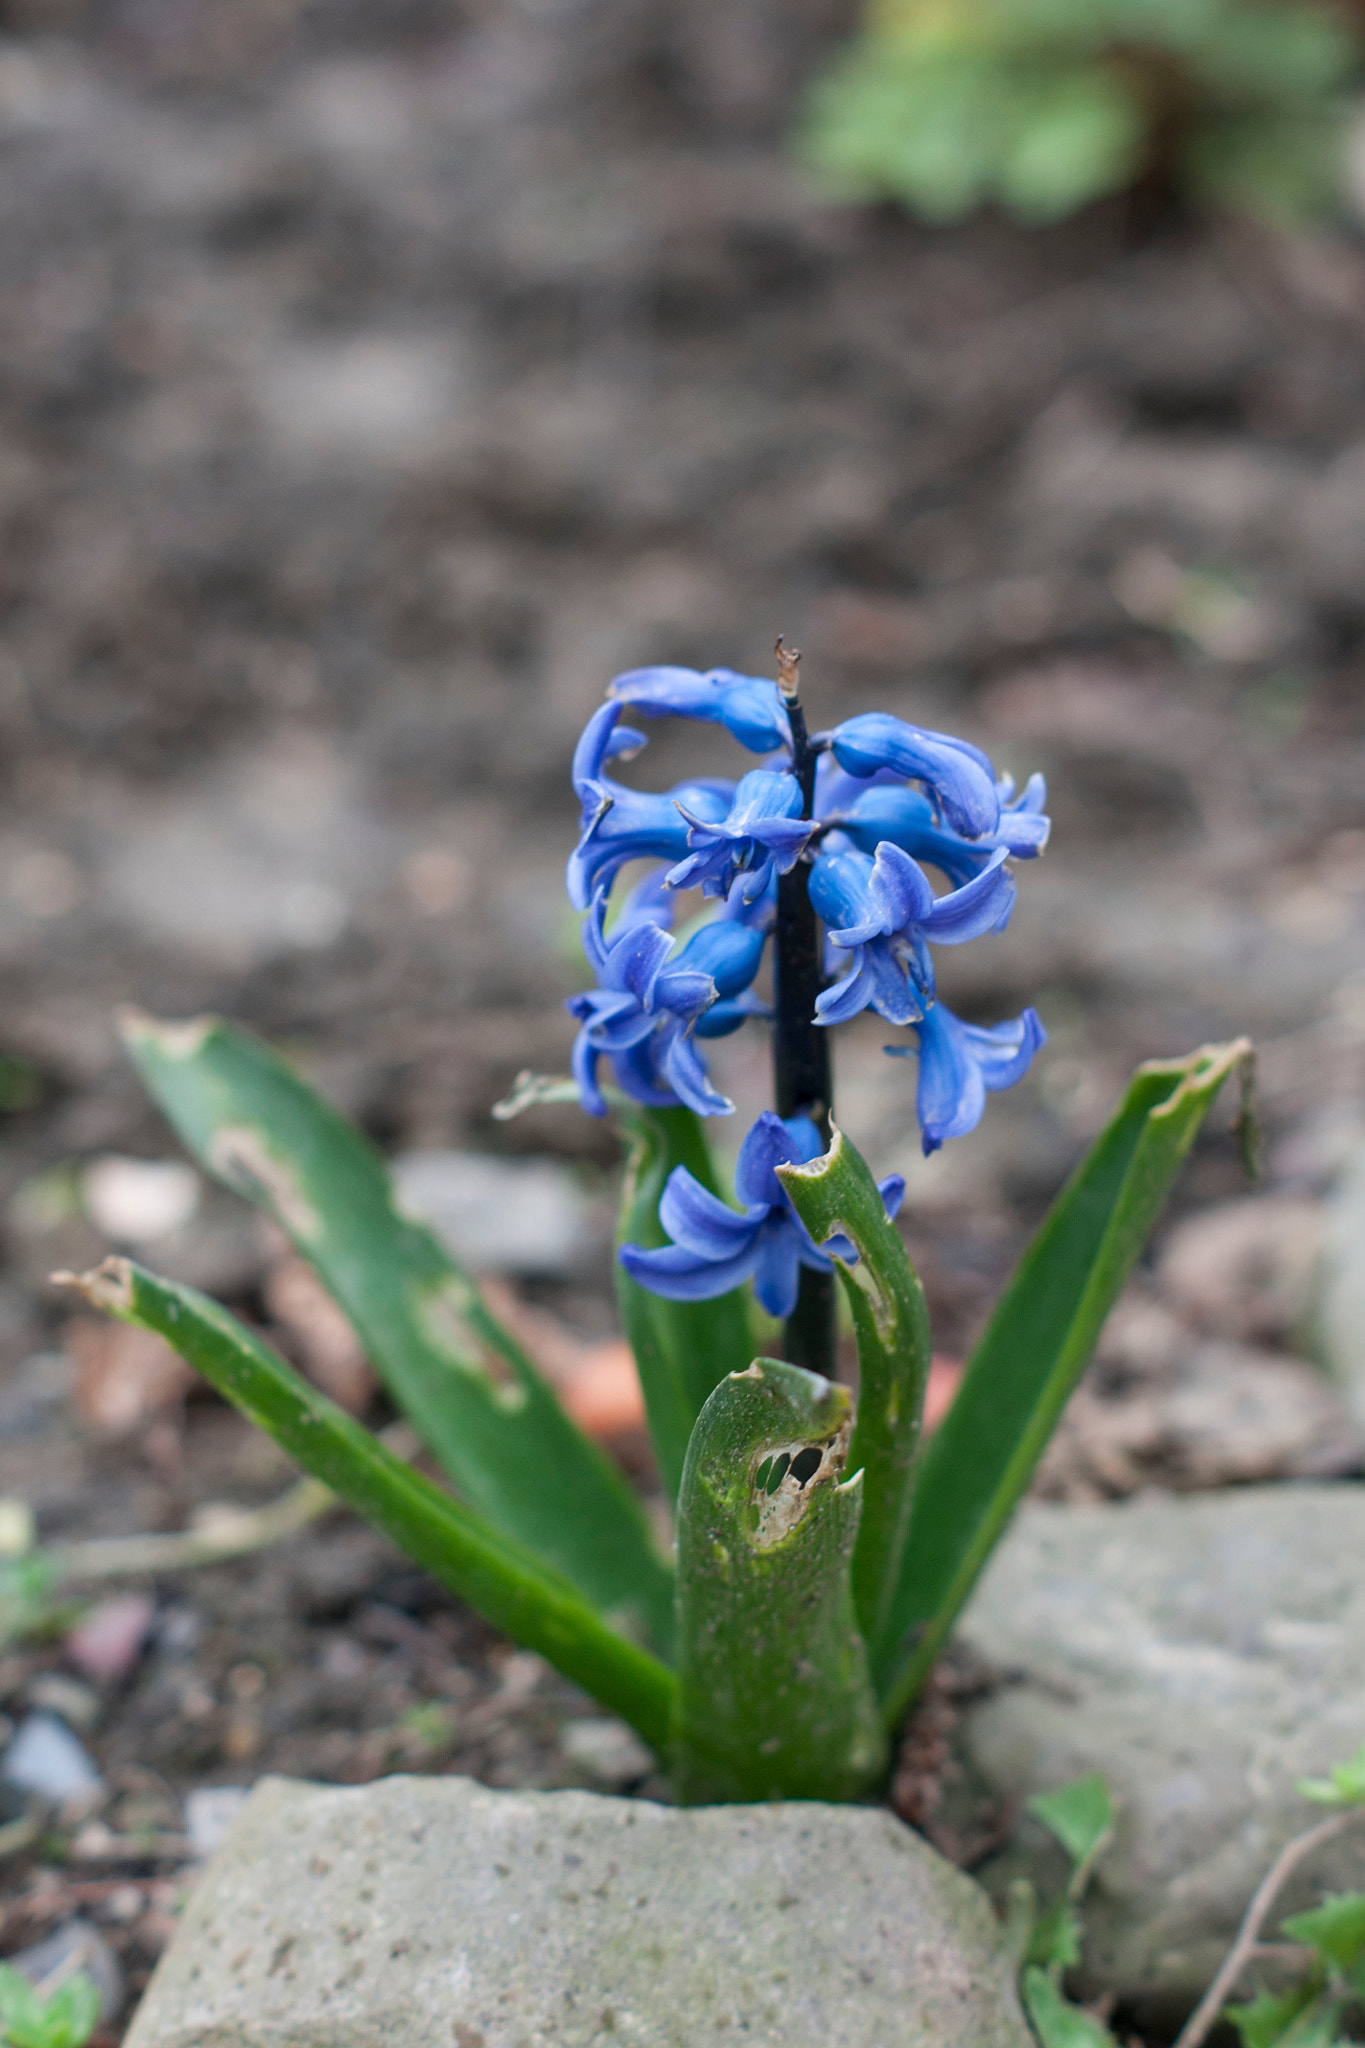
1080	134
1344	1784
468	1389
1080	1815
683	1349
837	1193
773	1694
1058	2023
1034	1349
1265	2020
65	2019
505	1581
1262	2021
1055	1943
1336	1929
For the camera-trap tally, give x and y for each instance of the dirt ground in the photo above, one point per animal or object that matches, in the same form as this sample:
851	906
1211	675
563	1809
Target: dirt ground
375	382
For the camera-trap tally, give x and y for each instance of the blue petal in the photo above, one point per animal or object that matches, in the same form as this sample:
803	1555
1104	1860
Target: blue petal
603	739
951	1093
773	1141
960	776
636	1075
722	1018
728	951
839	890
981	905
634	960
777	1267
892	1192
899	889
679	1275
1004	1051
701	1222
682	1068
840	1004
682	992
959	1064
583	1066
749	707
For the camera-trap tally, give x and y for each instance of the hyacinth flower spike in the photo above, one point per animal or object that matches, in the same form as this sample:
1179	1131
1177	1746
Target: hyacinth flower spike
649	1000
906	817
619	825
884	912
959	776
749	707
763	833
715	1247
960	1064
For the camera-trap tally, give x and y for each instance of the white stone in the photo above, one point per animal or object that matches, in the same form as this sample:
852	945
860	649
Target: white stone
433	1913
499	1215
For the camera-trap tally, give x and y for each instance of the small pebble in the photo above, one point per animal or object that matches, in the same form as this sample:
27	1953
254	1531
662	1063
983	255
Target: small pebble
46	1758
607	1749
18	1529
78	1705
137	1201
105	1643
210	1811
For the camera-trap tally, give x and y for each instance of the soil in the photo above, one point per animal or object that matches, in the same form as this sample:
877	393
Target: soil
377	382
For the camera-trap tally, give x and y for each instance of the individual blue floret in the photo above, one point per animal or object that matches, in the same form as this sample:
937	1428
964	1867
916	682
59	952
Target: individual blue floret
715	1247
763	832
960	1064
749	707
883	911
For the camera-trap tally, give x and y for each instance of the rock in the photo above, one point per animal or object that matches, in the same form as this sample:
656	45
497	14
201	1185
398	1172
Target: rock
501	1215
1219	1415
1201	1654
416	1912
1245	1269
46	1758
1342	1308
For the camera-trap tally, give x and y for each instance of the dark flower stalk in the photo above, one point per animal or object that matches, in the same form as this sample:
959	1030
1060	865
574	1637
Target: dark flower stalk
801	1064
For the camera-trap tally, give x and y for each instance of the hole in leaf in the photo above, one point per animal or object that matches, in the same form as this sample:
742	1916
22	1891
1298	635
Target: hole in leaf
778	1473
761	1476
806	1464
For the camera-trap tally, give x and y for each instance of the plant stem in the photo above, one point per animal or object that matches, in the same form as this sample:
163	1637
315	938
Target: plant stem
801	1067
1210	2005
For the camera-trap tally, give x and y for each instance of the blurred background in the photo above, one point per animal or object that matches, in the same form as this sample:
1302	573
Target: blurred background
376	381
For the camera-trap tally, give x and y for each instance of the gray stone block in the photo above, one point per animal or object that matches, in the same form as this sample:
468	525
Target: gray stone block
433	1913
1201	1654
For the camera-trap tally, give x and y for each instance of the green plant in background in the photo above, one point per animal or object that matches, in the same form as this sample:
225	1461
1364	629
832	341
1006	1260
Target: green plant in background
824	1547
1328	1989
66	2018
1040	106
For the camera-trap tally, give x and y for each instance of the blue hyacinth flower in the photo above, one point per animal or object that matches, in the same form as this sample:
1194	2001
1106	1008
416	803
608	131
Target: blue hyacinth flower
620	824
650	1001
883	911
959	775
749	707
960	1064
762	833
906	818
715	1247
